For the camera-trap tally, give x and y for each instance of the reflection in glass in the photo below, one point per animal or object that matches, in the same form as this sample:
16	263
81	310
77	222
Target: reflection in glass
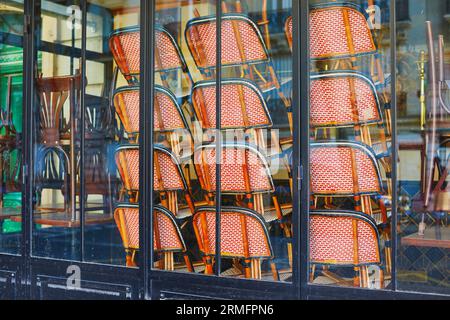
76	182
424	136
350	157
11	97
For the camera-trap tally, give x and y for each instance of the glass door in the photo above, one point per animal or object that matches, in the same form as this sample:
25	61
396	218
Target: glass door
86	110
223	141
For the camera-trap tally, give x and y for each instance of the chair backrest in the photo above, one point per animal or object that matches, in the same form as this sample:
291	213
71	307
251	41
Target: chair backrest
242	106
125	47
167	173
244	170
246	46
288	31
243	233
346	238
167	113
166	232
344	168
54	92
339	31
343	99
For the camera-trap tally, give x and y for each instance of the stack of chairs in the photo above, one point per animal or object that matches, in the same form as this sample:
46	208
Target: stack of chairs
246	177
170	126
342	96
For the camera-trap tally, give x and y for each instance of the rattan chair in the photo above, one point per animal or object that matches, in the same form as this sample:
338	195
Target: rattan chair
243	49
168	177
125	47
167	237
244	236
344	239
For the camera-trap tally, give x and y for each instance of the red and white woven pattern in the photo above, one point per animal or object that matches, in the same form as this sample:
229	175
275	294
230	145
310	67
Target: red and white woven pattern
231	241
331	241
328	33
231	107
169	238
170	116
331	171
289	29
331	102
131	223
127	107
168	53
129	44
250	41
232	170
129	167
170	173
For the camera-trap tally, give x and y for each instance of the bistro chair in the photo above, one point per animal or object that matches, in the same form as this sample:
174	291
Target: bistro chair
344	239
243	49
56	132
245	174
167	238
243	236
125	47
341	99
167	173
244	111
340	33
346	169
168	116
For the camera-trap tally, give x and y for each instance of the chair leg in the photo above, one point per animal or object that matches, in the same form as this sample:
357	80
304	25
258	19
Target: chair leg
188	262
312	273
168	261
255	267
273	267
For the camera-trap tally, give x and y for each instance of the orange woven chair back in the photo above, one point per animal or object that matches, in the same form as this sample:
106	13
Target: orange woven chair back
166	233
244	170
344	169
125	47
345	238
201	38
127	161
242	106
343	99
234	222
54	93
339	31
168	115
288	31
167	173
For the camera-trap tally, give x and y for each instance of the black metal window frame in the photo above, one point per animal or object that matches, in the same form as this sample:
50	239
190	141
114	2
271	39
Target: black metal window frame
149	283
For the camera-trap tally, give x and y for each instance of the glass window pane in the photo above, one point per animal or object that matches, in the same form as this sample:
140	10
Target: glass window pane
111	159
176	134
350	157
424	133
256	141
57	103
11	98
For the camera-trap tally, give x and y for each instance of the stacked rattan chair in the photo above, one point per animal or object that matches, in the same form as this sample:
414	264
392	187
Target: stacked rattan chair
169	125
348	198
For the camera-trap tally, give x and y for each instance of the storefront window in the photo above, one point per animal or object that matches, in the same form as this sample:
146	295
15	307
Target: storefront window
350	148
11	98
79	179
424	143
